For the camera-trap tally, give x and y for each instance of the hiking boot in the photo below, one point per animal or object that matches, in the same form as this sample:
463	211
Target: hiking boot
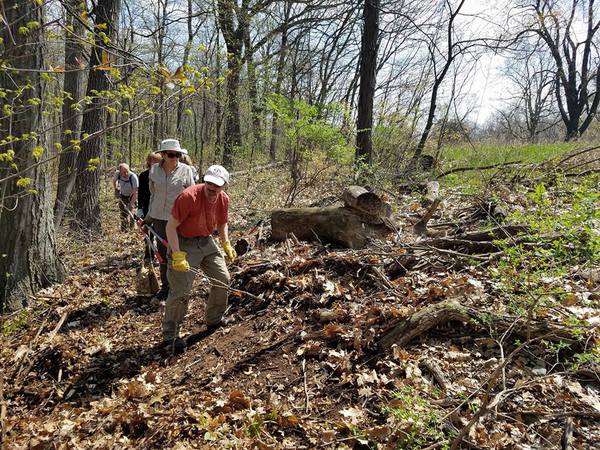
178	346
162	295
215	326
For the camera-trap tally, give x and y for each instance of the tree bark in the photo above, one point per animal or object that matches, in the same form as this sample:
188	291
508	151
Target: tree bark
577	82
71	118
234	42
368	65
335	225
87	206
184	62
275	129
28	258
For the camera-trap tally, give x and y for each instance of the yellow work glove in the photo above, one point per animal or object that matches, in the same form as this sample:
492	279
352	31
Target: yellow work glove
229	250
178	262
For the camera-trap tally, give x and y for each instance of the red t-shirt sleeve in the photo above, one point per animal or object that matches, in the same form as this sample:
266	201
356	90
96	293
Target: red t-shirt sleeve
181	207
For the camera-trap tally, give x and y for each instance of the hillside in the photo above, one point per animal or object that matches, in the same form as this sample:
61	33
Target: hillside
454	338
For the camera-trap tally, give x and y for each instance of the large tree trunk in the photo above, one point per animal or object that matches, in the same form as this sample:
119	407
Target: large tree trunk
255	108
71	117
87	206
368	65
234	42
184	62
28	259
275	129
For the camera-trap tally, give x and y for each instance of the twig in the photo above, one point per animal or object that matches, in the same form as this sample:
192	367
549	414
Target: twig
567	437
465	169
577	153
19	374
437	374
306	401
486	257
558	414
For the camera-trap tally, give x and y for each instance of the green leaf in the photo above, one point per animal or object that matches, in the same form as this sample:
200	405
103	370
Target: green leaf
24	182
37	152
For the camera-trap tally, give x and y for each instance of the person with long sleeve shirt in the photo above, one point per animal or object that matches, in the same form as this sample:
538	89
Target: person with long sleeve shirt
167	180
197	212
126	188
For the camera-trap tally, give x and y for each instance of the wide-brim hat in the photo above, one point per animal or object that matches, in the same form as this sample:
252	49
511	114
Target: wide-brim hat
217	175
171	145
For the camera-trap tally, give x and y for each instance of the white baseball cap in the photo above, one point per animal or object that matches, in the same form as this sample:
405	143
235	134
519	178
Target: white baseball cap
171	145
217	175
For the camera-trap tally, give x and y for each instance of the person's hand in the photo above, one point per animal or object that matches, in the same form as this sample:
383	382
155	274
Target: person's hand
178	262
229	250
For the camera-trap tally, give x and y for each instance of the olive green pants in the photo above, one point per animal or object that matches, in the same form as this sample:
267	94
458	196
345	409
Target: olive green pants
202	253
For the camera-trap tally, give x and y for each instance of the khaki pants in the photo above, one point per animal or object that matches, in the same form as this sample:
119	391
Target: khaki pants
126	219
205	254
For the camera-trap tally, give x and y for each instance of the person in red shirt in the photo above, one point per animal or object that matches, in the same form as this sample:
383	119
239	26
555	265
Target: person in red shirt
196	213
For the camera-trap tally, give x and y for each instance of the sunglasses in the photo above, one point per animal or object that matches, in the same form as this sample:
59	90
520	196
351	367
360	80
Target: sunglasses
173	155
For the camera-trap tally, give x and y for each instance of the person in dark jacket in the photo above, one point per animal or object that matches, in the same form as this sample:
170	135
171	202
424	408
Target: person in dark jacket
144	189
144	195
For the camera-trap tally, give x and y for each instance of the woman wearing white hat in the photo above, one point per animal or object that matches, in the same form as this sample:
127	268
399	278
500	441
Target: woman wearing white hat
167	180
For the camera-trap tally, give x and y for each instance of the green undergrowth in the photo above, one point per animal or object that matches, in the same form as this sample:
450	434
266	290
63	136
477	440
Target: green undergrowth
534	274
487	155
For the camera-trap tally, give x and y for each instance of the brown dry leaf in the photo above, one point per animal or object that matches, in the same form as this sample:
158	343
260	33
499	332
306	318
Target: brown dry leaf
237	400
288	421
328	436
400	354
332	331
355	415
379	433
134	389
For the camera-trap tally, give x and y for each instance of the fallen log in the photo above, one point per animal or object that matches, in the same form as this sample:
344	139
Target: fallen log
429	317
333	225
366	202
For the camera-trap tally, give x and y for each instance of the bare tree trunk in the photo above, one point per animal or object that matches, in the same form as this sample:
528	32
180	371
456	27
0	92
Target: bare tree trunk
275	131
451	52
28	258
234	41
253	94
368	65
87	206
186	57
71	124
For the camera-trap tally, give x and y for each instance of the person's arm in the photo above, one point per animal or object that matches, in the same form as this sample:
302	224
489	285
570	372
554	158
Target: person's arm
171	231
178	261
223	231
134	197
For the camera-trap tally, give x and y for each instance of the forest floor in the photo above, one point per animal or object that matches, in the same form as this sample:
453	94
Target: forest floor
303	362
